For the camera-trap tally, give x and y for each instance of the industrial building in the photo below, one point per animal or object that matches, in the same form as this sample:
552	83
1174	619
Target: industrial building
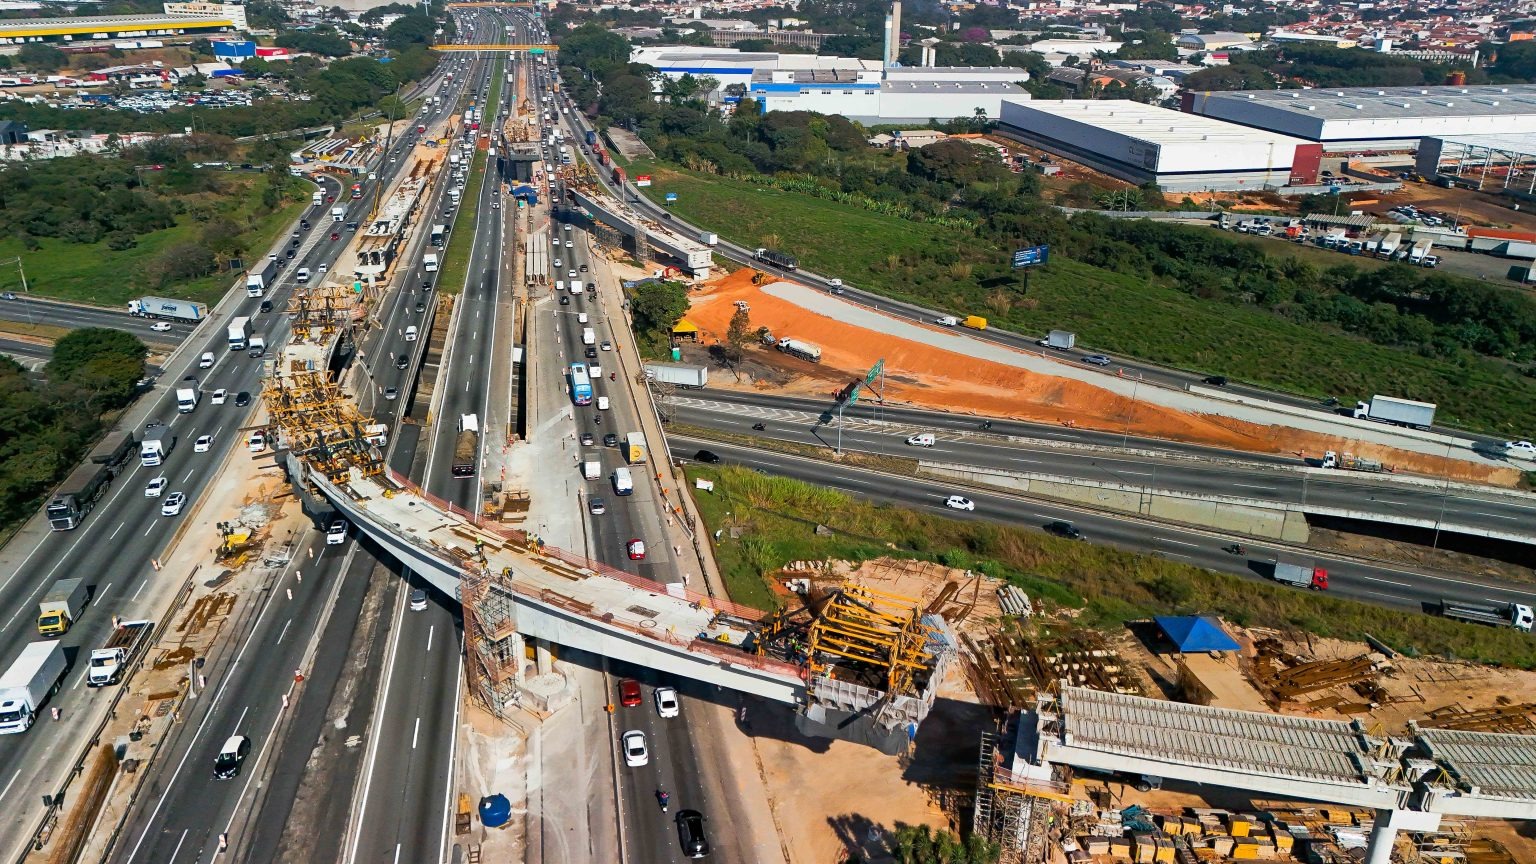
1145	144
1375	118
96	28
1490	163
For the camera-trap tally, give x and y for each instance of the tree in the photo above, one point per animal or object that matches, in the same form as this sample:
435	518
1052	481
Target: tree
920	844
737	335
40	57
1237	76
98	365
658	306
409	30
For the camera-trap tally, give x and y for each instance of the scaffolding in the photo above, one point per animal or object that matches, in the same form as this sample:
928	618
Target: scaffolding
492	648
861	631
322	311
1013	812
319	423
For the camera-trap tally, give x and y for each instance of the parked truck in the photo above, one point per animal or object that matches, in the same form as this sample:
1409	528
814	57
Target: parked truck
111	661
164	307
1301	576
61	607
157	444
781	260
1399	412
634	448
89	482
1061	340
467	448
187	394
1389	245
803	350
1516	615
28	683
1419	250
239	332
259	279
681	374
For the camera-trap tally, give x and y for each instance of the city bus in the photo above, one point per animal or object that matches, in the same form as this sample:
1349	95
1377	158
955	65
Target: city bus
581	385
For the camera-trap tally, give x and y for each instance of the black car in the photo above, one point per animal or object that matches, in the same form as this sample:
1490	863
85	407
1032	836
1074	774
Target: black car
304	223
242	399
1065	529
706	456
610	440
690	833
226	765
426	286
591	352
291	253
266	305
1215	380
421	307
565	300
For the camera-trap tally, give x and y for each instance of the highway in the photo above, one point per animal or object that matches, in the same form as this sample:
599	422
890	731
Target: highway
184	810
115	544
32	356
32	309
959	441
1381	585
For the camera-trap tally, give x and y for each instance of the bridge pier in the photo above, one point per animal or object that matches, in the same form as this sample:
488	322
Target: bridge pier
1383	834
544	657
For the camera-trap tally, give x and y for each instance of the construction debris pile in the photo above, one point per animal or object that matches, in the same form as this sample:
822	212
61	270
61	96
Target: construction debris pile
1009	666
1456	843
1322	835
1504	716
1288	679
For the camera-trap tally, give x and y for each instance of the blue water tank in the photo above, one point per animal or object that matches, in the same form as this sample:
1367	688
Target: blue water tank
495	810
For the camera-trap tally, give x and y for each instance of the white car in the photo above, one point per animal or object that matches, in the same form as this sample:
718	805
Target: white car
257	442
1524	448
160	326
635	754
336	534
571	274
206	360
172	505
219	396
203	444
570	244
666	702
960	502
556	262
156	487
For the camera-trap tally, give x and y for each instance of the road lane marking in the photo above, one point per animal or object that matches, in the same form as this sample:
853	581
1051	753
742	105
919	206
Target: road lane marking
189	475
10	784
177	850
1386	581
430	631
117	529
1178	542
283	634
83	673
1493	515
149	529
100	594
415	733
1249	486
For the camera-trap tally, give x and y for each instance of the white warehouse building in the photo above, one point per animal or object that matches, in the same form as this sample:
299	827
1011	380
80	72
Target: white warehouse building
1375	118
1143	143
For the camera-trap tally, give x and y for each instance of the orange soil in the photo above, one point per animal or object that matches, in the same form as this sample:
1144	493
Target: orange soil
922	375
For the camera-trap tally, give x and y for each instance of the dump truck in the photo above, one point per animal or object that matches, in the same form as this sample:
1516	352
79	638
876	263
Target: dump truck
634	448
61	606
1398	412
239	332
164	307
89	482
467	448
680	374
1061	340
803	350
1301	576
1516	615
26	685
975	322
781	260
157	444
111	661
1350	462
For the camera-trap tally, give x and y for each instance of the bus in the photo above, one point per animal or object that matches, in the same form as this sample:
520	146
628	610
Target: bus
581	385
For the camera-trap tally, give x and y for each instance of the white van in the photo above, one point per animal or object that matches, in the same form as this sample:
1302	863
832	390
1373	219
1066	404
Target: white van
623	483
588	336
592	469
581	317
410	333
923	440
302	276
602	403
559	285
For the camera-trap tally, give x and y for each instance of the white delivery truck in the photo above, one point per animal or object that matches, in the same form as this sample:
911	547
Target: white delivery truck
319	198
27	684
155	446
592	469
239	332
588	336
338	214
187	394
429	263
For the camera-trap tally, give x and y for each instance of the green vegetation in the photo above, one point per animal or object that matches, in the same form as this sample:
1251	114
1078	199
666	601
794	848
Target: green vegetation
920	844
47	425
657	307
455	266
1294	65
777	518
92	229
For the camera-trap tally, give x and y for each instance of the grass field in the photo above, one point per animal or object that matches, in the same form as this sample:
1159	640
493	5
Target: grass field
455	268
777	521
1111	312
95	274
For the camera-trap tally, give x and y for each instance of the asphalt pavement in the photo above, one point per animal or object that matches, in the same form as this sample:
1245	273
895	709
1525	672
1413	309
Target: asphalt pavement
28	308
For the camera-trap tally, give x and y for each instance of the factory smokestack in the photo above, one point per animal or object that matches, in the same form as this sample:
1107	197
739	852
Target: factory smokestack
893	50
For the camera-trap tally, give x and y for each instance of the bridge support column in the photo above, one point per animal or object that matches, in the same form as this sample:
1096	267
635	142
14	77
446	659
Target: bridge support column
543	656
1382	836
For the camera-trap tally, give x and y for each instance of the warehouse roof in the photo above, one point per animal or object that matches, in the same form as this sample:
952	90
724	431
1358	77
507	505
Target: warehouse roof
106	23
1150	123
994	87
1392	103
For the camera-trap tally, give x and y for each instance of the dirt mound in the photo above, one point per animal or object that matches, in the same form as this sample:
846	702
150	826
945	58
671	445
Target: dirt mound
922	375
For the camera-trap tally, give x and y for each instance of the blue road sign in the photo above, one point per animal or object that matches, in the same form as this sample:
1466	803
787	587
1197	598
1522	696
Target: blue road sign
1032	256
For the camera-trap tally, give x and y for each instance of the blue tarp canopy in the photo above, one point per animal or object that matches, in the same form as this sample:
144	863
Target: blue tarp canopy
526	192
495	810
1195	633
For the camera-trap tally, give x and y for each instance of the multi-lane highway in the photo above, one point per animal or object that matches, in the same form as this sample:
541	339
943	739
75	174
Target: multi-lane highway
958	440
32	309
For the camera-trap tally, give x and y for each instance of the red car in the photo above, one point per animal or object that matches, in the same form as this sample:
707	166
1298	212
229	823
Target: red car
629	692
637	550
335	235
